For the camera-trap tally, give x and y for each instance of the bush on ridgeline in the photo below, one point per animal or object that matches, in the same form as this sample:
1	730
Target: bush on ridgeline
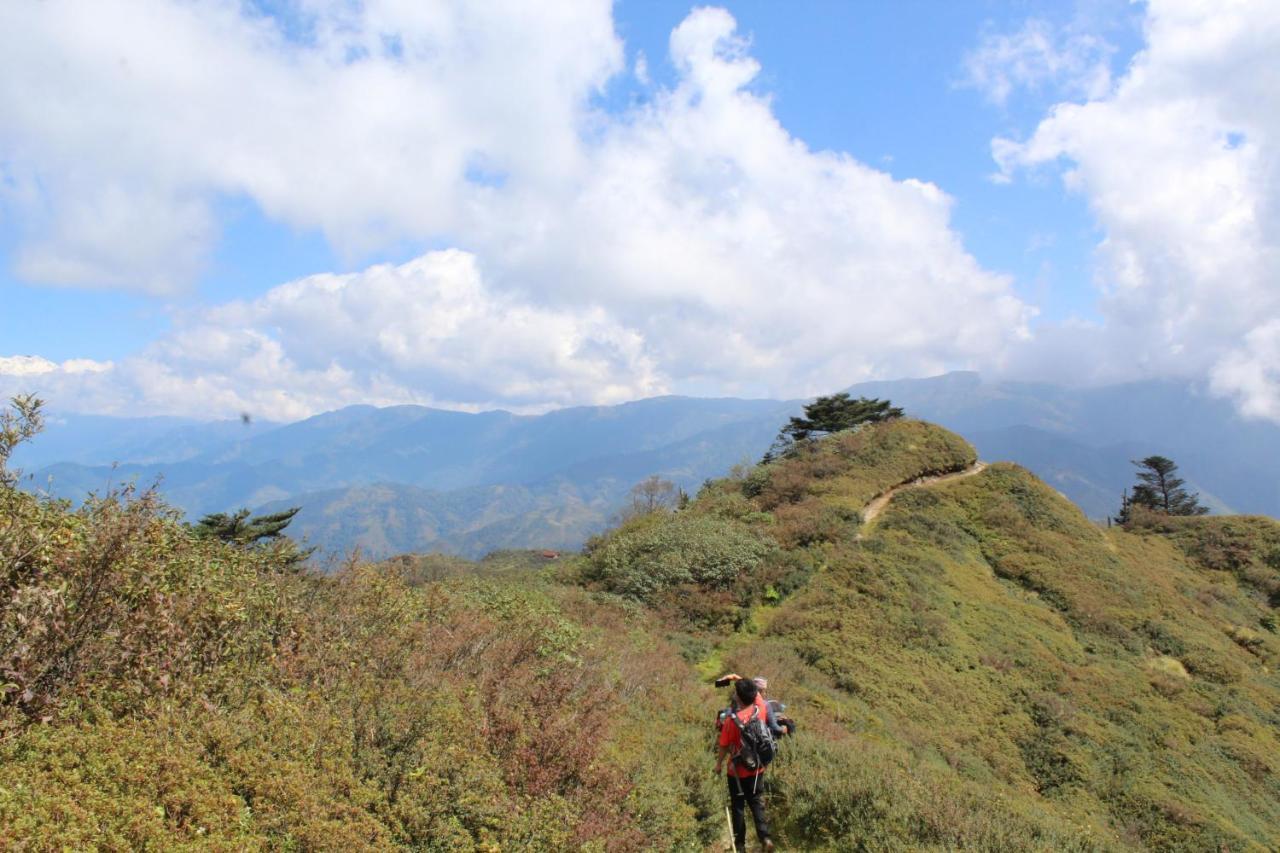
118	601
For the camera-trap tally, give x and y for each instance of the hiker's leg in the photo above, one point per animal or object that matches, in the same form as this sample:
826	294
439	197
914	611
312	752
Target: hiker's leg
737	811
755	798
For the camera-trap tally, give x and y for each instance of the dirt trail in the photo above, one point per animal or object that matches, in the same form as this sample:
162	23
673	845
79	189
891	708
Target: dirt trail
878	504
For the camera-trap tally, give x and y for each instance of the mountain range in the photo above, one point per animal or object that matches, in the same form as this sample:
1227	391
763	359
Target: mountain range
413	479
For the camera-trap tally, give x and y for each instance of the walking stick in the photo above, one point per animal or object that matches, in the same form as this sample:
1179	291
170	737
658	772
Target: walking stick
728	819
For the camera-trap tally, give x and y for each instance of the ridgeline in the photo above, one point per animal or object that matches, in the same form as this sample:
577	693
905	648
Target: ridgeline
978	666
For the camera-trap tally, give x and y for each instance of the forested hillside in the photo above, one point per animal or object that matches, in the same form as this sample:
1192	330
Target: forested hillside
978	667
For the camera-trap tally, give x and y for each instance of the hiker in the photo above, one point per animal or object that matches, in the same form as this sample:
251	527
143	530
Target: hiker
778	724
730	680
741	741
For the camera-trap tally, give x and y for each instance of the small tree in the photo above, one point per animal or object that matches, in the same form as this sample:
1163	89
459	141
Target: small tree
652	494
20	423
1161	490
267	531
830	414
239	529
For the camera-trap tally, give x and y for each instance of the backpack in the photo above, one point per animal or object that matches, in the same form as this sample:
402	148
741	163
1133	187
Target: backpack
758	746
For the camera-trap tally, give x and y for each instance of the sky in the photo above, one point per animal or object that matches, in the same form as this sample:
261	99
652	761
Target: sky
286	206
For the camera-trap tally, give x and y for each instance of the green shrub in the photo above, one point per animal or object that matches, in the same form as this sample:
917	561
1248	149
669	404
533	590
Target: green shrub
664	550
171	693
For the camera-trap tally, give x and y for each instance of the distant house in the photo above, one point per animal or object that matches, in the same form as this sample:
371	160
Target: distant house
550	555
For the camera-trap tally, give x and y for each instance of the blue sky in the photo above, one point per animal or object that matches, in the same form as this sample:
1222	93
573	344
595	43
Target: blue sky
912	91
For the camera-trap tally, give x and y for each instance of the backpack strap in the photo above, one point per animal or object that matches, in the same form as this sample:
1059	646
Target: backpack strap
755	712
742	727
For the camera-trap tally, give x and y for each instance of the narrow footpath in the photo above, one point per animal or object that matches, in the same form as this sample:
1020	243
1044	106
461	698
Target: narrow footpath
878	504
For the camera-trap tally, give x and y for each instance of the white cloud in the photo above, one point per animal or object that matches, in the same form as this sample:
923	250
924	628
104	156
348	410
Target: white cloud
1251	372
690	244
749	261
641	69
34	365
1181	166
377	336
1037	57
123	121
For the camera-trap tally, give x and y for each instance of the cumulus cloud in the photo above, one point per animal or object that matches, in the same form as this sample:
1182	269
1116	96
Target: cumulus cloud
123	121
1039	56
378	336
688	244
1180	164
749	261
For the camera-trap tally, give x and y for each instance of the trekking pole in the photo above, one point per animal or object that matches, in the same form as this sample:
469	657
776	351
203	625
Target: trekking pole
728	819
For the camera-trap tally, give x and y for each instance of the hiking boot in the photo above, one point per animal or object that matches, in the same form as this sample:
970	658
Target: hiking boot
767	844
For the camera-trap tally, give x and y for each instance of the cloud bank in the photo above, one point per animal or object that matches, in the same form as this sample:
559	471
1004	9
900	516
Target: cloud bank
1180	164
689	243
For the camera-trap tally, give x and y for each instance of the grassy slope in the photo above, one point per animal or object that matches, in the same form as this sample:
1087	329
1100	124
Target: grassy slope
1015	676
214	700
984	669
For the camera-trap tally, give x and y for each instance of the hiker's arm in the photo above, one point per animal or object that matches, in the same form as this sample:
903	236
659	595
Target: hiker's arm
771	720
722	753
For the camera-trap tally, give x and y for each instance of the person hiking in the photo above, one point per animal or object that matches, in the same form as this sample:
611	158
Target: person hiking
779	725
734	705
745	771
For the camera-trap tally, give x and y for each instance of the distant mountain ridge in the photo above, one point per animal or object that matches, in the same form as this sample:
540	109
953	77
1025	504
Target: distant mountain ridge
557	477
411	478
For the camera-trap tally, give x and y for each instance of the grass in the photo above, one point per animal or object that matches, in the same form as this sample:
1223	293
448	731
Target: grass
981	669
987	634
988	669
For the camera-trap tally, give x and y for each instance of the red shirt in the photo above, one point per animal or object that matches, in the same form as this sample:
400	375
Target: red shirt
730	738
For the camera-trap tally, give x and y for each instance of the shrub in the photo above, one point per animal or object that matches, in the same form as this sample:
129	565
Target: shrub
120	599
1212	666
660	551
170	693
812	522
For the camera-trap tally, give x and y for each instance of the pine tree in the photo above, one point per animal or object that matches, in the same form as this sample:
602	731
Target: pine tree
261	531
830	414
1161	490
240	529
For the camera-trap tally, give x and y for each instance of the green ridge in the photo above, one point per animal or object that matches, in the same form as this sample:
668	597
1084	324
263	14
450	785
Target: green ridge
983	669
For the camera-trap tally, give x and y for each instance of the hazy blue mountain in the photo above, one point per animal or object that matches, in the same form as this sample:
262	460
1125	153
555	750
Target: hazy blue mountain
102	439
410	478
559	512
596	451
389	518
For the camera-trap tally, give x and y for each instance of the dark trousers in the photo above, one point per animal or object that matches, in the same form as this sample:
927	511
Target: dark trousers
743	793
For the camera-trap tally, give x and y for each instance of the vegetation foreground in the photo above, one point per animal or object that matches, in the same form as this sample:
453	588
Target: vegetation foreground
980	667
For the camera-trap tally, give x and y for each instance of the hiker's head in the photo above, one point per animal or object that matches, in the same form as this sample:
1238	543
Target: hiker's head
761	683
746	691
